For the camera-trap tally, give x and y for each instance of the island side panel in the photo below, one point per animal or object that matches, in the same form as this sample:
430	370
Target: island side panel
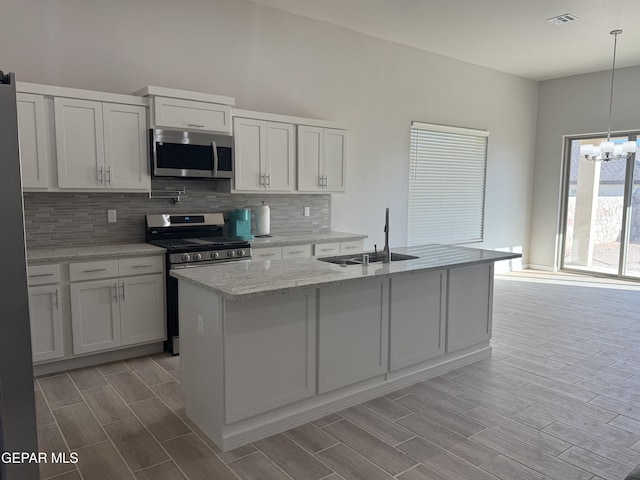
353	331
417	318
201	357
270	349
469	306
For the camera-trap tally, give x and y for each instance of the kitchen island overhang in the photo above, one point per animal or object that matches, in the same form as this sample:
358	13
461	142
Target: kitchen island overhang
268	346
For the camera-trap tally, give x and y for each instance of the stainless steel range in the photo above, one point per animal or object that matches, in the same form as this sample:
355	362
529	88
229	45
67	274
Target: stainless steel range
191	240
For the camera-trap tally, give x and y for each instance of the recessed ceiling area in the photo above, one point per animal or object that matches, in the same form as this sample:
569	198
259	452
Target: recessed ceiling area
511	36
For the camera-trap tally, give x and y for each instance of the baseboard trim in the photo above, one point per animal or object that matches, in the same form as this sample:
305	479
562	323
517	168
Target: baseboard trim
292	416
96	358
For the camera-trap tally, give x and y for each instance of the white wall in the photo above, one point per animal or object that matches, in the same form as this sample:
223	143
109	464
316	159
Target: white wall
277	62
569	106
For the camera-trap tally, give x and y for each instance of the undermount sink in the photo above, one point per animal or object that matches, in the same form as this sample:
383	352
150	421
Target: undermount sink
357	259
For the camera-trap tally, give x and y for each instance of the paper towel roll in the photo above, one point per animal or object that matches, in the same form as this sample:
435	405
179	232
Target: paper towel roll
263	220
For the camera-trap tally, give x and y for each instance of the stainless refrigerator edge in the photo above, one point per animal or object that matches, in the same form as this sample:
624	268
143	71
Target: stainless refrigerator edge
17	405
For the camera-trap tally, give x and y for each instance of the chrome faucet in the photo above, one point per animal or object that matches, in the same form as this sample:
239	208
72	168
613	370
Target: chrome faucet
386	254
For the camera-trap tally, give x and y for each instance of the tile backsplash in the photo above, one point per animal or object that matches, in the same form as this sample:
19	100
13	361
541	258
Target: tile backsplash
68	219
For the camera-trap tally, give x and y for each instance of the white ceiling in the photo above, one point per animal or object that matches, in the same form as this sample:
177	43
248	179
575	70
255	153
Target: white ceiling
511	36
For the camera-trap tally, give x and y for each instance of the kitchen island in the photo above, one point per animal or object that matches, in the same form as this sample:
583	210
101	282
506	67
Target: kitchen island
267	346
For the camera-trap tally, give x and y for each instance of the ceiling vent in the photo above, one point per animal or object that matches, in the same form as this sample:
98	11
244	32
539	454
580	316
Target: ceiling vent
562	19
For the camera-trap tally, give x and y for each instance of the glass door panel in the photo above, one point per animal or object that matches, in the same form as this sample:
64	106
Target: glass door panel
632	257
595	207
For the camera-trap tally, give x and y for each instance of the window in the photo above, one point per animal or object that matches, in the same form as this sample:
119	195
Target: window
447	173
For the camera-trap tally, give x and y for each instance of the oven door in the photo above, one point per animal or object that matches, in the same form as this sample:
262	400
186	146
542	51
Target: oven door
189	154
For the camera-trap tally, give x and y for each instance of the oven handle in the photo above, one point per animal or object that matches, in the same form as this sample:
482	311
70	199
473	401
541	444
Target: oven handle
215	159
206	264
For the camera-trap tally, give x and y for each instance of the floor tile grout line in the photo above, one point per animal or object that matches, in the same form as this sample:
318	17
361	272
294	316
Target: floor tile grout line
302	446
296	443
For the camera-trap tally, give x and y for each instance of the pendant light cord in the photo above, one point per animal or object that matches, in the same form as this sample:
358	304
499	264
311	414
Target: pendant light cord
615	33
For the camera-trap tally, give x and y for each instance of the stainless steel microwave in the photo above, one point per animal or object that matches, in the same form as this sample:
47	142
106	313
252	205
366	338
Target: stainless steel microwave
191	154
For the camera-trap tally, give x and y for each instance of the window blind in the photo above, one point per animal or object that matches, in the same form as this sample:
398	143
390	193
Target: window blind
447	174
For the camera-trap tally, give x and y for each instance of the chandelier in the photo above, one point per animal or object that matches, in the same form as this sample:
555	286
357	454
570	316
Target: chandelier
609	150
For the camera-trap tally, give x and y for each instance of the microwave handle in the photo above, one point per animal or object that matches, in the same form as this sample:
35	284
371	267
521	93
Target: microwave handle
215	159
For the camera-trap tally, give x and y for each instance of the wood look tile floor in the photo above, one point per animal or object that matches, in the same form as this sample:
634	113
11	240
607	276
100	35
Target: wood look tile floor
559	399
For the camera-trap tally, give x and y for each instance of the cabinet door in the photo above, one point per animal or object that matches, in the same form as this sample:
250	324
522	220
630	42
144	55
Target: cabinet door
142	316
46	322
469	301
280	155
95	316
269	352
79	143
417	318
353	327
34	156
335	148
310	159
125	147
190	115
249	143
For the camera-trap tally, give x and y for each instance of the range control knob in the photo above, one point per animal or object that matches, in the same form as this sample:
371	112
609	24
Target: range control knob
186	257
231	254
241	253
197	257
215	255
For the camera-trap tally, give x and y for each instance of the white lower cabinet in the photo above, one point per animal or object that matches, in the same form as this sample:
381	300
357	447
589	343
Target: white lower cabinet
417	318
326	249
266	253
469	302
269	353
45	312
117	311
352	333
95	315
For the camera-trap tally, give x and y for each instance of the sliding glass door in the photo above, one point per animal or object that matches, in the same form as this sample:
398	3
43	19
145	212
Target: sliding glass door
602	213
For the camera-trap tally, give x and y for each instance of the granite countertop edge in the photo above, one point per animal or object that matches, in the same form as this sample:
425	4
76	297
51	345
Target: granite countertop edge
299	274
283	240
45	255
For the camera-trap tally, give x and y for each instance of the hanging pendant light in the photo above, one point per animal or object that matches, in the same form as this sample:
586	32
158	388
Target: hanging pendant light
609	150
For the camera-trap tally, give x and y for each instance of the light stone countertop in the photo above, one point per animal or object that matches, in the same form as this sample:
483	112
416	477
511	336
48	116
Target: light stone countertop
93	252
239	280
302	238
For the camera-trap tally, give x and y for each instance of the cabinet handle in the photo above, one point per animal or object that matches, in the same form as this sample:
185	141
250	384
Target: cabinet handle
349	248
326	180
100	176
55	299
34	275
266	254
326	249
195	125
296	251
321	180
268	180
143	265
115	292
109	173
263	180
123	291
95	270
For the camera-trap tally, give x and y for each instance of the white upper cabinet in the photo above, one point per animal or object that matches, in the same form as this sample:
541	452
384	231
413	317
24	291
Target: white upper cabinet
32	129
264	155
79	143
321	159
125	146
191	115
101	145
